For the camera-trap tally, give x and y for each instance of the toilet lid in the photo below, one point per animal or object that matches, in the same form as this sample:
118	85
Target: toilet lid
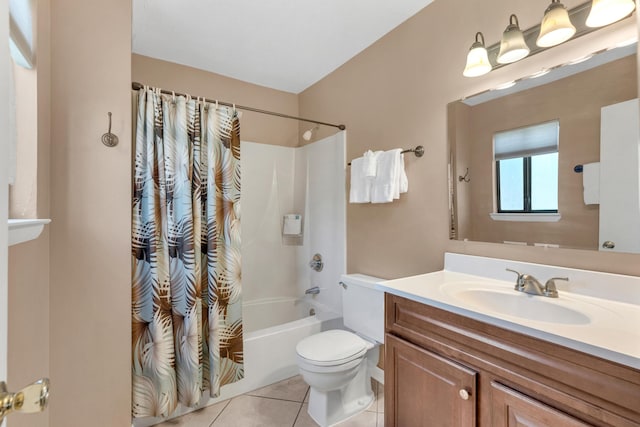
332	347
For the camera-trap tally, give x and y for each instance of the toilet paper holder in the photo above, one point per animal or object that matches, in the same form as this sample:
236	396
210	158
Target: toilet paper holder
292	225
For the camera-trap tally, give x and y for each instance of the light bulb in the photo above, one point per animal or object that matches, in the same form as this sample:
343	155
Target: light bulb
477	59
556	27
605	12
512	46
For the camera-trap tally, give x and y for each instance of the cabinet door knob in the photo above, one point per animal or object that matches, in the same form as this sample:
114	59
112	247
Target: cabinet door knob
464	394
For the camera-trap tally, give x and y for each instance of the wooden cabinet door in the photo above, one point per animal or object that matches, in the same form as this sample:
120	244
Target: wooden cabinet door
513	409
423	389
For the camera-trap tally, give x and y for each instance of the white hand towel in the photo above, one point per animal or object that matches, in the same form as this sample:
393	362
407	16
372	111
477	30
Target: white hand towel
591	183
404	181
360	191
386	184
370	164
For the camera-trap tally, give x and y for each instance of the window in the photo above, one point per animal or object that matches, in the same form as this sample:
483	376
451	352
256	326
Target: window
23	112
21	15
527	169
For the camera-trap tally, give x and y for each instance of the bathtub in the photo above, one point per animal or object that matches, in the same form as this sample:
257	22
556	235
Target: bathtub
272	328
269	312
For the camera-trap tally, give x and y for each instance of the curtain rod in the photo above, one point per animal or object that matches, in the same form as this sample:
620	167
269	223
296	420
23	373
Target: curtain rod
138	86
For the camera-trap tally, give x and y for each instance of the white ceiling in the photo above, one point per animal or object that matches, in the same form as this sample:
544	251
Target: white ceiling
283	44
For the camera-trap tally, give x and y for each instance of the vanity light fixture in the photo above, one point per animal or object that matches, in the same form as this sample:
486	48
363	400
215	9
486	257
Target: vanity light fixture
477	58
513	47
605	12
556	27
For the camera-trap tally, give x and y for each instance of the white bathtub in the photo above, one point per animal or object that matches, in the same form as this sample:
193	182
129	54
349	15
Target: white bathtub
273	327
269	352
268	312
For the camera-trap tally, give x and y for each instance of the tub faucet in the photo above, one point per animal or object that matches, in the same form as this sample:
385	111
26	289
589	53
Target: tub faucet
312	291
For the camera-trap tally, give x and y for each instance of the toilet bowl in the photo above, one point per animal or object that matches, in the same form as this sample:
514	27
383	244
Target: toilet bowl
337	364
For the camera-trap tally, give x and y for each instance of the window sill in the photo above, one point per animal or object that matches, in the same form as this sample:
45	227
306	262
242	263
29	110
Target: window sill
23	230
526	217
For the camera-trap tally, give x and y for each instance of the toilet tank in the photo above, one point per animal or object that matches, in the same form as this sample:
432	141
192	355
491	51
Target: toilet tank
363	305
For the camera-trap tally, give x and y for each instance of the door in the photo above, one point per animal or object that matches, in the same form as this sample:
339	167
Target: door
513	409
4	186
619	178
423	389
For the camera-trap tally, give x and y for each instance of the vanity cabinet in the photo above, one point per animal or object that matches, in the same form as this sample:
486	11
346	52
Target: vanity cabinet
513	409
418	373
445	369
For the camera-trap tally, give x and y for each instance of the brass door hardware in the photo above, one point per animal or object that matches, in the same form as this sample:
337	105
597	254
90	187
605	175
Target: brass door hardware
32	398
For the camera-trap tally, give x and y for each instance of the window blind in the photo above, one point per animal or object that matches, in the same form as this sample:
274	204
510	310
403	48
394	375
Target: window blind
527	141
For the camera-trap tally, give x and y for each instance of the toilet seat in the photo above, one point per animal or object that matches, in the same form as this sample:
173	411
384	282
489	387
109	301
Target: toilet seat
332	348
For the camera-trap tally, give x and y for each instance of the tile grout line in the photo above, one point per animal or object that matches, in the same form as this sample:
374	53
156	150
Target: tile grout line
273	398
297	415
301	406
220	413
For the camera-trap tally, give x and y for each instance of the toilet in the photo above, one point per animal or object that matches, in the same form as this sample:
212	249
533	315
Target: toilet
338	364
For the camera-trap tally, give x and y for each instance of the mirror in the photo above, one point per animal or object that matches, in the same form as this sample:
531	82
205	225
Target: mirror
573	95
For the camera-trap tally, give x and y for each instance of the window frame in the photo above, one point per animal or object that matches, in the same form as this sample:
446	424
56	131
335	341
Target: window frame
526	171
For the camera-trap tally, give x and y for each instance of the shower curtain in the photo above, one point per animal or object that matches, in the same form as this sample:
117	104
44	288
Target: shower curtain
186	280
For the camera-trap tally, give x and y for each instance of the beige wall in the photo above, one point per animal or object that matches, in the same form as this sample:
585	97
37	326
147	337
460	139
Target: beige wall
395	93
90	292
575	102
255	127
29	344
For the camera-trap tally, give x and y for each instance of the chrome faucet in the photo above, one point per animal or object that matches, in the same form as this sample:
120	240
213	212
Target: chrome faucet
530	285
312	291
550	289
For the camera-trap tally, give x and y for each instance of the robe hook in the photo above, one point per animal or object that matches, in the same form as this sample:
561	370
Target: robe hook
464	178
109	139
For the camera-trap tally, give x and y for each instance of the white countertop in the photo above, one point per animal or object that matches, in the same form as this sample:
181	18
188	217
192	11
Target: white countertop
610	330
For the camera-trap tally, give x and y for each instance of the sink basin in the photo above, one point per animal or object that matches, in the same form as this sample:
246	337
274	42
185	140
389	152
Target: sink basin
518	304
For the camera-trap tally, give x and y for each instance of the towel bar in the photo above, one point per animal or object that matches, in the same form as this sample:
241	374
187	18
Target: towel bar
418	151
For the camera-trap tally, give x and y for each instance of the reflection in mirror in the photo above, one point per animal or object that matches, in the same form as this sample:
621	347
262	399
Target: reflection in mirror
525	188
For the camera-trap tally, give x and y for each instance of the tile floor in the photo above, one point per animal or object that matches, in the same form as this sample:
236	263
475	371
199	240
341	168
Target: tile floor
283	404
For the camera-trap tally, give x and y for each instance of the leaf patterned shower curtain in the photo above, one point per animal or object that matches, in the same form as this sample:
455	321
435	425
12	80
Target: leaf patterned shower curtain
185	245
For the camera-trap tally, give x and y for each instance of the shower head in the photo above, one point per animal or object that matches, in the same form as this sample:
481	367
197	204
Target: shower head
308	134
